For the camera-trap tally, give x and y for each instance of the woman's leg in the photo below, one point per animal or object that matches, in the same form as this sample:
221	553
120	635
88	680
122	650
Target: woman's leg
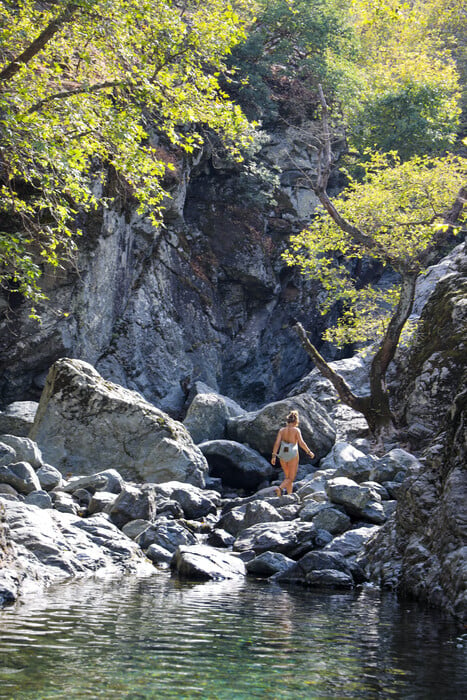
290	470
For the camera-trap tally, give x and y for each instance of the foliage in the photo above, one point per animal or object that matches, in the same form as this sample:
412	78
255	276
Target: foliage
398	211
292	45
408	84
84	88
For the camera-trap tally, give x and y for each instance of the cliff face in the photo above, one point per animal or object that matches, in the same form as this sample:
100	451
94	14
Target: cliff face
205	296
421	549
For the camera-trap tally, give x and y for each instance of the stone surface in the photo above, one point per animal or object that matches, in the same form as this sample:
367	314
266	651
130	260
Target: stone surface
26	450
194	502
268	563
21	476
236	465
17	418
357	500
292	538
49	477
258	429
84	424
133	503
206	563
320	569
207	416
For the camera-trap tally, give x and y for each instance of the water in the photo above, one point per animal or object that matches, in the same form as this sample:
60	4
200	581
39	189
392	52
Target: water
159	638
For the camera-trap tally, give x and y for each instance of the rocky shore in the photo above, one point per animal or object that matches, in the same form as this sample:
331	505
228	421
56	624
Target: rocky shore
206	510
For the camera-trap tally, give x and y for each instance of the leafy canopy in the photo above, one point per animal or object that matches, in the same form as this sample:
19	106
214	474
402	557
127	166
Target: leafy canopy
87	88
398	211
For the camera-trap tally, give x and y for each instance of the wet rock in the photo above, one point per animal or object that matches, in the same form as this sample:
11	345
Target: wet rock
206	563
133	503
17	418
258	429
207	416
21	476
158	555
84	421
237	465
319	568
268	563
9	587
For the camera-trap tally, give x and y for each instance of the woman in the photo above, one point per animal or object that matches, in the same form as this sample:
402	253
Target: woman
289	438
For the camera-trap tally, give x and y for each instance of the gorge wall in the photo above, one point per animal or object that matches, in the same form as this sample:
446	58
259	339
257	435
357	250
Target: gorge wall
205	296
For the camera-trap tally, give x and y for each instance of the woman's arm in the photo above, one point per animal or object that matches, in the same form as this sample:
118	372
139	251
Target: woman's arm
303	444
276	446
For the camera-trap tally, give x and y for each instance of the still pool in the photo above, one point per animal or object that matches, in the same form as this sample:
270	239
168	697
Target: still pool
158	638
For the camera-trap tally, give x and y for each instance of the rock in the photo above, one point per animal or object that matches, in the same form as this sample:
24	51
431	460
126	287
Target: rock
258	429
315	482
158	555
194	502
40	499
26	450
108	480
348	461
327	569
379	488
220	538
268	563
7	454
64	503
101	502
9	585
52	546
332	520
133	503
17	418
49	477
165	533
357	500
207	416
237	465
352	542
7	490
206	563
169	509
134	528
292	538
392	488
260	512
21	476
394	462
84	421
232	521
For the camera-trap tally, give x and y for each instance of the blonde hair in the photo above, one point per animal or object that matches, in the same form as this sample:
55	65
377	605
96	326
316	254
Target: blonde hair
292	417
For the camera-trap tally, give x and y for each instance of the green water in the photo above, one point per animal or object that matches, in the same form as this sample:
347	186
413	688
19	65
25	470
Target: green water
158	638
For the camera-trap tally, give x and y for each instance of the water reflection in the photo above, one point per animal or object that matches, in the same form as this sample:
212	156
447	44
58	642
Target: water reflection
159	638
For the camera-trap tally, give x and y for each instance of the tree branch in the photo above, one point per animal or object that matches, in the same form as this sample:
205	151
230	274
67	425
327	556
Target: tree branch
38	44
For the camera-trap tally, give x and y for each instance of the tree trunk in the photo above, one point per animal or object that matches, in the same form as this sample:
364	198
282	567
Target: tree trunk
38	44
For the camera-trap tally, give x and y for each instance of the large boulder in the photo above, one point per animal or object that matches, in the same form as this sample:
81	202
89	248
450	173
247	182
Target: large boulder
25	449
85	424
194	502
207	416
237	465
258	429
292	538
21	476
359	501
206	563
319	569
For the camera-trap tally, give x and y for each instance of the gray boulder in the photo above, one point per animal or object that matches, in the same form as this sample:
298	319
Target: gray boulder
395	463
168	534
206	563
207	416
258	429
232	520
49	477
40	499
319	568
292	538
64	502
133	503
21	476
158	555
101	502
237	465
348	461
268	563
327	518
26	450
194	502
220	538
260	512
7	454
352	542
359	501
18	417
84	422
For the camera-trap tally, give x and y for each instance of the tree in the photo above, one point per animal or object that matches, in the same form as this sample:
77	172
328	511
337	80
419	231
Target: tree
93	87
401	215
